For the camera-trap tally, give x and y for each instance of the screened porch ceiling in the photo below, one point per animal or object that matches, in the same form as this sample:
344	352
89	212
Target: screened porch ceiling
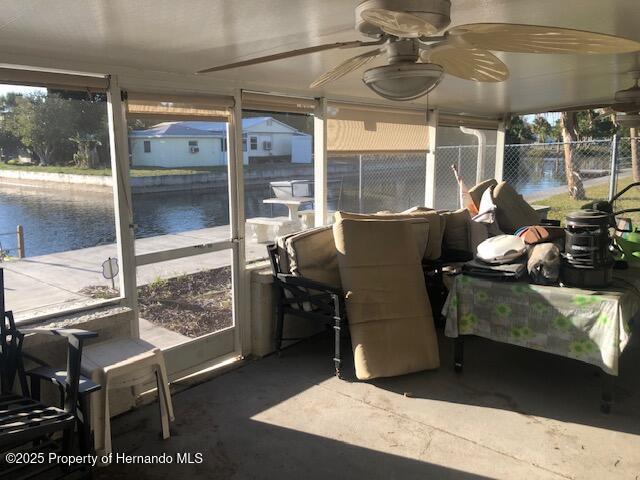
167	40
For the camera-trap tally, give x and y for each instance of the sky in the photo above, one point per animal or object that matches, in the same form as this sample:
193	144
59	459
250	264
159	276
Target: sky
552	117
4	89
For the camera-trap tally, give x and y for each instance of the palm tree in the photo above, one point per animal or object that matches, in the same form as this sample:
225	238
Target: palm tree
541	128
569	135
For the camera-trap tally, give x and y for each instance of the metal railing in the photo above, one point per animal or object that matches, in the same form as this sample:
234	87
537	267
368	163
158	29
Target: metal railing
19	248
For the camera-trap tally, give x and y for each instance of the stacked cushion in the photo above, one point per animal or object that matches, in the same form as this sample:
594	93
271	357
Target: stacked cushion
426	226
390	318
513	211
476	192
457	231
310	254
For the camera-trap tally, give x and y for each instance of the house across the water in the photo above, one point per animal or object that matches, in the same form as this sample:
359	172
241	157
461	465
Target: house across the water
199	144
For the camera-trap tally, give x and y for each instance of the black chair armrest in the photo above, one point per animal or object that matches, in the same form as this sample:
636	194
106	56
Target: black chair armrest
75	340
59	378
295	281
61	332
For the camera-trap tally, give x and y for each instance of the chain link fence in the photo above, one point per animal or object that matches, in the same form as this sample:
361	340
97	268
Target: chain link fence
373	182
369	183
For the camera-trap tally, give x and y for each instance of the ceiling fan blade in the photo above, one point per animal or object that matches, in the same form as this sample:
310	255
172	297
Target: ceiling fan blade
291	53
399	24
346	67
507	37
468	63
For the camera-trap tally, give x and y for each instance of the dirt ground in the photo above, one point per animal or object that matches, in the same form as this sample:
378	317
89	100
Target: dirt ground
191	305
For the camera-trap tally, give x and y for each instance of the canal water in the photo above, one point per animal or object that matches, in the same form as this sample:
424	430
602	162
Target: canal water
60	219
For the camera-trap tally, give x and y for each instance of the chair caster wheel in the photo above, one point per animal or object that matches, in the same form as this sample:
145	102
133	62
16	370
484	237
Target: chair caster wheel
457	368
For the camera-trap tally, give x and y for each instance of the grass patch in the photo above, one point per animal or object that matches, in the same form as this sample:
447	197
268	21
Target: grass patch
562	204
134	172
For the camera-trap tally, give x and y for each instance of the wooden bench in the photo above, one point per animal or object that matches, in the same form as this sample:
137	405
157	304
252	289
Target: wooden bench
260	226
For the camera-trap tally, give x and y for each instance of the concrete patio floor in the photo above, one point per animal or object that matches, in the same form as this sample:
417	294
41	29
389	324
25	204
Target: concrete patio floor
512	414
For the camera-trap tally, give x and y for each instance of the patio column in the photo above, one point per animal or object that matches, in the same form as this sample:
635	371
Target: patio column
430	174
239	279
320	162
119	151
499	167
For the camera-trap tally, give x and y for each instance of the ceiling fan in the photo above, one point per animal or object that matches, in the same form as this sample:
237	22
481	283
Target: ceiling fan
626	106
412	35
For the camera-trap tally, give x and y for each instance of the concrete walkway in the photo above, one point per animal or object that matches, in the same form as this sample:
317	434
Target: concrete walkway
50	282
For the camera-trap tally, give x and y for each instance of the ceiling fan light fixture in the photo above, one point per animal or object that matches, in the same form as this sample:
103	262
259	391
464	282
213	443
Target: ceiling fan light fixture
403	81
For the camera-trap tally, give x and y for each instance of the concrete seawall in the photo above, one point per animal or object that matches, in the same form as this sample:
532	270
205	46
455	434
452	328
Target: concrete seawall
162	183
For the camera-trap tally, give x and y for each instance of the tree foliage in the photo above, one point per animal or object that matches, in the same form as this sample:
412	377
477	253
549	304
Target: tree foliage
519	131
46	123
542	129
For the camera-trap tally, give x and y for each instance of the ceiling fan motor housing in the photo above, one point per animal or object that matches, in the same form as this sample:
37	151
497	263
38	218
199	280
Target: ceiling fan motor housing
435	12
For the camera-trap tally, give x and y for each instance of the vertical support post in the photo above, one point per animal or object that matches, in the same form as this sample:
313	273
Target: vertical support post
123	206
239	277
20	235
499	167
430	171
320	162
614	166
360	183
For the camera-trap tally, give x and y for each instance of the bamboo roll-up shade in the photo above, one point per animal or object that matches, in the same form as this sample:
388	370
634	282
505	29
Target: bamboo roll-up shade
480	123
362	128
60	81
277	103
178	107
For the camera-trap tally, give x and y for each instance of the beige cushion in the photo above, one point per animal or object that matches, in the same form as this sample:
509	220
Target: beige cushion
433	250
312	254
513	211
421	225
390	320
479	232
457	232
476	192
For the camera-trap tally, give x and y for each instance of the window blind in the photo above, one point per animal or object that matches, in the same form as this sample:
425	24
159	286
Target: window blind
277	103
353	128
178	107
61	81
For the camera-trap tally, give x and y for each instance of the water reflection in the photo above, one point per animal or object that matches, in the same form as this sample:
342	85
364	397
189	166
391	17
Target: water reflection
57	220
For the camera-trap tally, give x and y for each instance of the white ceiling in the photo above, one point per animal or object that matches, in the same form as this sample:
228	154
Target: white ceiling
183	36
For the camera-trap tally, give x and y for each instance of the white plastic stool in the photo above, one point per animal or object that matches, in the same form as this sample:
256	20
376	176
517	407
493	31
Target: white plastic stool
118	364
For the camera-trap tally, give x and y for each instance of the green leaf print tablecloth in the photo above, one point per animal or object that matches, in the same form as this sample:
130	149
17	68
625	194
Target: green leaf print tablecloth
591	326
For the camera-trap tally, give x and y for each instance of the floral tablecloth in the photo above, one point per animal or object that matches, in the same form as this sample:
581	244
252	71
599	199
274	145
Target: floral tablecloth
591	326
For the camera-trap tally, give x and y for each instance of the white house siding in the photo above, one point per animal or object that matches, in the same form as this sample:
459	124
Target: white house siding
174	152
